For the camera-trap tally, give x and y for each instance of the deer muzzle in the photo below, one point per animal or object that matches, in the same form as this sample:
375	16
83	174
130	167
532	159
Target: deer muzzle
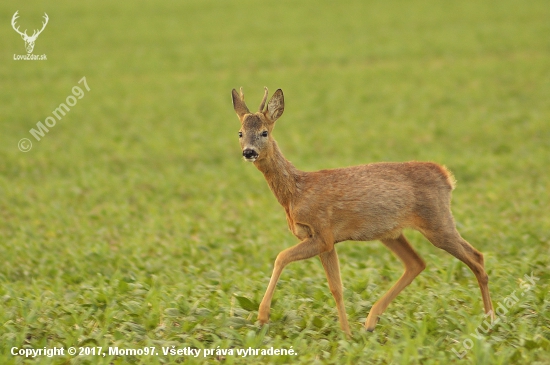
250	154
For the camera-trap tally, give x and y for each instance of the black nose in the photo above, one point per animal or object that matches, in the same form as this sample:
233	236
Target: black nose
250	153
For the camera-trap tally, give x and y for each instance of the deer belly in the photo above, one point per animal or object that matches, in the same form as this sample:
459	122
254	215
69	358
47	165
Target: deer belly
366	227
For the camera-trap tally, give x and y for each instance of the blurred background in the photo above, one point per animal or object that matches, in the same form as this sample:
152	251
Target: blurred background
133	221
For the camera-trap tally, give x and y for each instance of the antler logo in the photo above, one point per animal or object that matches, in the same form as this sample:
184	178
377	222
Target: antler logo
29	41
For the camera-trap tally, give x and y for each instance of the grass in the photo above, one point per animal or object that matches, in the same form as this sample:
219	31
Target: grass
135	223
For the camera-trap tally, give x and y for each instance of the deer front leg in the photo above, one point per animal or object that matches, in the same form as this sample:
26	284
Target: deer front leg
332	269
309	247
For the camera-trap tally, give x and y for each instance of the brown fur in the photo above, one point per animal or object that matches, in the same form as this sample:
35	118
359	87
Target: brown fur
362	203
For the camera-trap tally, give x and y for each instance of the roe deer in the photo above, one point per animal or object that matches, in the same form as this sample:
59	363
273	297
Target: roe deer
361	203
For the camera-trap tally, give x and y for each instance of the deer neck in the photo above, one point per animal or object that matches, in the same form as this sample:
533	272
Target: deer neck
281	175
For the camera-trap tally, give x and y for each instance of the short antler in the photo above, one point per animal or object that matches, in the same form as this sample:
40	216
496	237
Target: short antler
241	94
262	105
238	103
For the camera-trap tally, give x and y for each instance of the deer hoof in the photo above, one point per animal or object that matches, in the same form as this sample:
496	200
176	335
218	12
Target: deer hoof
371	322
263	318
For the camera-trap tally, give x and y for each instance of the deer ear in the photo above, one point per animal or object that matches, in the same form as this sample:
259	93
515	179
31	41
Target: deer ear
276	106
238	104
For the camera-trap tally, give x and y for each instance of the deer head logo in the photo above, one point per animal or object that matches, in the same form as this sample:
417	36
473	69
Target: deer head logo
29	40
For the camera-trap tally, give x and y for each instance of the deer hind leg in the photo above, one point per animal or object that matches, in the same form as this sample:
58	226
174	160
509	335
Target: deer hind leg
450	240
413	266
330	263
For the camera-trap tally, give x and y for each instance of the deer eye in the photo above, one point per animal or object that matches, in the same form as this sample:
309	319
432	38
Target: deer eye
264	134
240	134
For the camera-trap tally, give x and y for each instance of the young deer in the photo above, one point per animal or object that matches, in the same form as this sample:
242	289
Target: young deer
361	203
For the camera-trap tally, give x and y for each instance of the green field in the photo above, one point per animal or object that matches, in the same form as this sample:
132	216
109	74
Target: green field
134	223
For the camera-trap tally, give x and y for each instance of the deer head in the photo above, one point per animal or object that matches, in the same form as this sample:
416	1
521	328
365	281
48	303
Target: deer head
29	40
255	133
